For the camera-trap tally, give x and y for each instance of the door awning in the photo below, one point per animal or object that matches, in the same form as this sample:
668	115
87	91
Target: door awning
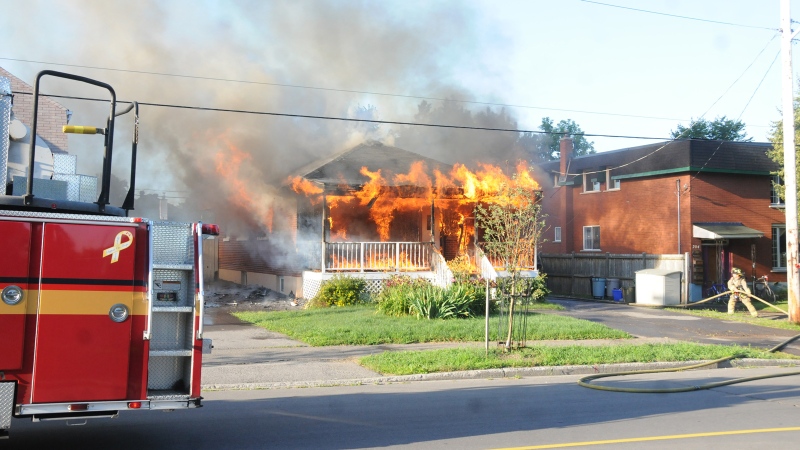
723	230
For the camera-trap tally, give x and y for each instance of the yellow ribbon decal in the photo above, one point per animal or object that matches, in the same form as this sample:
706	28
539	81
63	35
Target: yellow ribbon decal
118	246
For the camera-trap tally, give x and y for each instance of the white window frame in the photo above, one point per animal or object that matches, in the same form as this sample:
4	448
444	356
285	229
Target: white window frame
557	234
281	285
779	247
596	185
593	238
611	185
774	198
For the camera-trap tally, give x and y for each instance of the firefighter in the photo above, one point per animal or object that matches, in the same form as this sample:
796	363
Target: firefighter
738	286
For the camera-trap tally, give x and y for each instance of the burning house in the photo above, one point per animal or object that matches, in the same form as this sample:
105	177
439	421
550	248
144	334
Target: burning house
376	210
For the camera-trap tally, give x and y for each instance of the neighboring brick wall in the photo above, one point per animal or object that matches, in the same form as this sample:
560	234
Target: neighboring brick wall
642	215
52	116
739	198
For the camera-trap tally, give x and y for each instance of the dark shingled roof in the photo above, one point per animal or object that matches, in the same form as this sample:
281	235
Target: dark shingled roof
345	168
686	155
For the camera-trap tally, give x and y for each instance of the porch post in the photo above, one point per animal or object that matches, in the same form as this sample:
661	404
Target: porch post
324	222
397	257
362	256
433	221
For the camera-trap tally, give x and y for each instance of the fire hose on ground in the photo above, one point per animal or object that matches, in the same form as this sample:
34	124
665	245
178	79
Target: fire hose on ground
586	381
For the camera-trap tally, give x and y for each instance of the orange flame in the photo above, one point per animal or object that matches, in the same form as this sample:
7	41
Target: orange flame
455	193
232	166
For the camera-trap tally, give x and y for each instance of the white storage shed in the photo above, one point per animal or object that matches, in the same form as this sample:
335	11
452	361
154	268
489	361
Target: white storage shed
658	287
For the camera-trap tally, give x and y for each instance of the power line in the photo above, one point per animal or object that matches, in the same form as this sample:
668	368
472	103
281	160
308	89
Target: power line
759	84
351	91
742	74
348	119
681	17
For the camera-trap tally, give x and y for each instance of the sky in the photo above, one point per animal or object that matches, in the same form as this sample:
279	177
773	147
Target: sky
612	69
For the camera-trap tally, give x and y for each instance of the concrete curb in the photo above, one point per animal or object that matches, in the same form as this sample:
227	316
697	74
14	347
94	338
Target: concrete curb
507	373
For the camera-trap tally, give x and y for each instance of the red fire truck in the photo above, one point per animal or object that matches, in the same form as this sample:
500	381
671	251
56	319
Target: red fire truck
100	312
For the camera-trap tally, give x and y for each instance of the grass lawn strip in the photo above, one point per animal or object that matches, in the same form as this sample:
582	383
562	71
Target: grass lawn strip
460	359
361	325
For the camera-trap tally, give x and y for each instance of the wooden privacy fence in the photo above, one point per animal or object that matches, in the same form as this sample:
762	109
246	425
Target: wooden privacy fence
571	273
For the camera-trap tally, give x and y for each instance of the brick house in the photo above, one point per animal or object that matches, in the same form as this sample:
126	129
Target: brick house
52	116
711	199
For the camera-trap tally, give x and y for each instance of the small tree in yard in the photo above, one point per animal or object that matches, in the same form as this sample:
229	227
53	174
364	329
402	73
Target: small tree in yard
512	226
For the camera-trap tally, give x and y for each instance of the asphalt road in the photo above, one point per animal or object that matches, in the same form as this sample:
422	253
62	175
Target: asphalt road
463	414
659	323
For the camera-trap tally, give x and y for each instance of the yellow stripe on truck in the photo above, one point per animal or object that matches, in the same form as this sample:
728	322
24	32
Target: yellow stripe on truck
89	302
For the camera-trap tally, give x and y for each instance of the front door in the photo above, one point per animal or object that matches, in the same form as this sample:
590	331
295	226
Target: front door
84	326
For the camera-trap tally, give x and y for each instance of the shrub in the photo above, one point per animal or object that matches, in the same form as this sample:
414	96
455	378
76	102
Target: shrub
397	291
341	290
458	300
403	295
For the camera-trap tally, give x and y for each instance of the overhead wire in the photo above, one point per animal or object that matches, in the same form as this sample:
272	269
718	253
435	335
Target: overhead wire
350	91
742	74
345	119
718	22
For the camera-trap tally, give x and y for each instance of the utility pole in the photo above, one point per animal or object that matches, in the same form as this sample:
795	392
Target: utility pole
789	162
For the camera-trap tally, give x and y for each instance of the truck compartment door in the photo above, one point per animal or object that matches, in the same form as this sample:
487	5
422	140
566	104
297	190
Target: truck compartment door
83	337
15	240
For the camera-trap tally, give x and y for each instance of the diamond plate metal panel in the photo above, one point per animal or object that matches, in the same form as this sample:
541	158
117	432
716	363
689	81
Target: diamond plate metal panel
88	189
172	243
5	120
6	404
65	164
185	292
168	372
80	188
170	331
42	187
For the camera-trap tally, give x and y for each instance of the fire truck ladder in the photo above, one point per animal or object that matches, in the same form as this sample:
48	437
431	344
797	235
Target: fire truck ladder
171	324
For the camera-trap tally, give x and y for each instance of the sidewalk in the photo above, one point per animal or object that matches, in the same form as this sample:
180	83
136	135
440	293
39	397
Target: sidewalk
249	357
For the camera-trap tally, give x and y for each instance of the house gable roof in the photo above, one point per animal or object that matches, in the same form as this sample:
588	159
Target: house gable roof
345	167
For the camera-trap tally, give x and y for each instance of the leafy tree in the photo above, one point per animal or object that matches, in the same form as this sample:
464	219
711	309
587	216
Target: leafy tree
549	148
721	128
512	230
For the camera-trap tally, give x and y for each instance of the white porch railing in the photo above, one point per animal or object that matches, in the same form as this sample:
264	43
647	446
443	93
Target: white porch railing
486	268
377	256
442	275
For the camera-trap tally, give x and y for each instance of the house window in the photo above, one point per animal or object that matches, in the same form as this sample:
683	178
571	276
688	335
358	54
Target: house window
591	182
779	247
591	238
612	184
281	284
557	237
774	198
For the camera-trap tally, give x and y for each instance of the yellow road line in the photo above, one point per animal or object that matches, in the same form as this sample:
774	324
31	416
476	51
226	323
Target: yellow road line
655	438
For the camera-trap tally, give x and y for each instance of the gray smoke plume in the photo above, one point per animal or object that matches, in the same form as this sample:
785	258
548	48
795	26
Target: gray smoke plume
406	48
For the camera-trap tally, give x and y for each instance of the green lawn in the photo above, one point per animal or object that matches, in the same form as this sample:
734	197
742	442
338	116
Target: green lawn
459	359
361	325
